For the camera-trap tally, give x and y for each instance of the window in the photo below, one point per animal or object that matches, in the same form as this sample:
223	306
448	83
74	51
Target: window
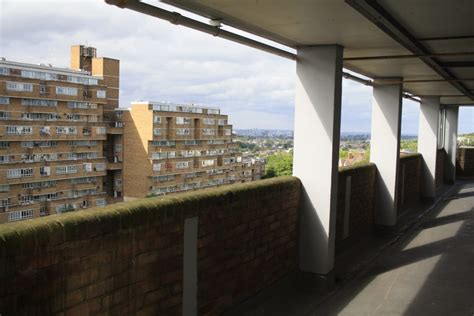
81	105
101	94
20	215
157	167
100	130
208	121
157	131
100	166
207	162
4	100
5	202
4	144
213	111
86	131
67	91
39	116
39	75
4	158
100	202
19	130
66	169
228	132
4	115
163	143
66	130
183	120
45	131
4	188
87	167
215	142
4	71
19	173
38	102
182	164
118	148
183	131
34	144
157	119
45	171
192	142
208	131
19	86
163	155
222	122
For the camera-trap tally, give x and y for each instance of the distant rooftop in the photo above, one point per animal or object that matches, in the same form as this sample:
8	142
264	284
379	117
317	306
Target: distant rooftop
178	107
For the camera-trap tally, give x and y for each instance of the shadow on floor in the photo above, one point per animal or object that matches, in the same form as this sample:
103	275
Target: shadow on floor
429	270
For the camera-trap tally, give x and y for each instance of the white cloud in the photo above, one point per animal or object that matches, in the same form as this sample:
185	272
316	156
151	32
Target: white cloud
161	61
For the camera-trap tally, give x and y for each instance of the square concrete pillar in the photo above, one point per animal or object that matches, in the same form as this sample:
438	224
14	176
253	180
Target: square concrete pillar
428	144
450	142
385	148
316	152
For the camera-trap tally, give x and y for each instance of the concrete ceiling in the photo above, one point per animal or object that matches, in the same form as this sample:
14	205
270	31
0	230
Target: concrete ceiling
368	28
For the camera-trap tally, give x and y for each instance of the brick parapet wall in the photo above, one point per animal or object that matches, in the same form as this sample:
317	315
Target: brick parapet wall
409	189
361	204
128	258
465	162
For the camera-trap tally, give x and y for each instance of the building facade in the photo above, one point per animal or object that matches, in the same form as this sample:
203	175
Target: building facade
175	147
60	145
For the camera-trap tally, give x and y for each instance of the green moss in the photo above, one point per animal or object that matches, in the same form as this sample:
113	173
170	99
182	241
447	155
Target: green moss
356	167
30	234
410	156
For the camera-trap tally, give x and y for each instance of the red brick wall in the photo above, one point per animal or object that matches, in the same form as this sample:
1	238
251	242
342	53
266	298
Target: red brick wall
409	181
440	166
465	162
361	219
128	258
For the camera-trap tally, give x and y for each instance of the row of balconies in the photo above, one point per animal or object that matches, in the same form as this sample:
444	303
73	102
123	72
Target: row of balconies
42	90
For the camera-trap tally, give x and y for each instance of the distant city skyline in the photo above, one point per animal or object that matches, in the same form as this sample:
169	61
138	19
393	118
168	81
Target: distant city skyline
160	61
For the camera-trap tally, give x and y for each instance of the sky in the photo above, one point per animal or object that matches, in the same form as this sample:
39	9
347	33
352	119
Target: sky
164	62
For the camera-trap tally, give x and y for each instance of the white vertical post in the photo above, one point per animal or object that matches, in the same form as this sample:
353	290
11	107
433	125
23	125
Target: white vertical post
450	143
385	149
428	143
316	153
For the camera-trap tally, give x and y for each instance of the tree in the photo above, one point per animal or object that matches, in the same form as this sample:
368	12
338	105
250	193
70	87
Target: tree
279	164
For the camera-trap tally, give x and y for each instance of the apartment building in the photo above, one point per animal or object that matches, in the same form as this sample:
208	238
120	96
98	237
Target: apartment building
60	147
177	147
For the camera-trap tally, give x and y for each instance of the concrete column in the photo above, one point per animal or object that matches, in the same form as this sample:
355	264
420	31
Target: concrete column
428	143
316	152
450	142
385	149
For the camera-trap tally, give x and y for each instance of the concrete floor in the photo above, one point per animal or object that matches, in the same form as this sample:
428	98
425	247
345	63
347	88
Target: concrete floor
427	270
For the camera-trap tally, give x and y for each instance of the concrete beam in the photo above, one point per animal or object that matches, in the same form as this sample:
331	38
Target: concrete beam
316	153
450	142
385	149
428	143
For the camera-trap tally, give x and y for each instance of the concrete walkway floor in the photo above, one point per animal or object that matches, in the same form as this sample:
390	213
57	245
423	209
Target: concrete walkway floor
427	269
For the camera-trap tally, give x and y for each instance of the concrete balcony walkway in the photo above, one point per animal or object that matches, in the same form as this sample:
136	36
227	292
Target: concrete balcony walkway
427	269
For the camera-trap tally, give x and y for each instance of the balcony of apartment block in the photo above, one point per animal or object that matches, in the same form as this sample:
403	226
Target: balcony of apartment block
114	162
246	237
115	128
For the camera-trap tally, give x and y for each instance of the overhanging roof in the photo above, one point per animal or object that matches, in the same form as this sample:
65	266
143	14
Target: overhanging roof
377	36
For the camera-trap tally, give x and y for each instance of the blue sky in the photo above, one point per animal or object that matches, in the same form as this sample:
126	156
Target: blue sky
164	62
